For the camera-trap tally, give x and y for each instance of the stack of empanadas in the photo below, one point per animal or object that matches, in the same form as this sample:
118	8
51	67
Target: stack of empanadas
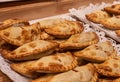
58	51
109	17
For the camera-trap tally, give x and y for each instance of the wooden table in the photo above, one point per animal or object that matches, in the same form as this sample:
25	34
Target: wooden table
40	10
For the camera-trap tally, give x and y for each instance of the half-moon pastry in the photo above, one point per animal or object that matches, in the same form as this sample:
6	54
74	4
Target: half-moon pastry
20	35
48	23
114	9
22	69
32	50
110	68
65	29
84	73
97	52
112	23
97	16
13	22
80	41
55	63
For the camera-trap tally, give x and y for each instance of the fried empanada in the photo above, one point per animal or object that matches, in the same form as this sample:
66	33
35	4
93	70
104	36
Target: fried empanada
21	35
32	50
48	23
97	52
112	23
97	16
80	41
65	29
117	32
13	22
55	63
84	73
110	68
114	9
22	69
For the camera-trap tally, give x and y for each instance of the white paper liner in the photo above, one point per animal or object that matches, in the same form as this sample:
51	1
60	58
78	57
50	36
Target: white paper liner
5	66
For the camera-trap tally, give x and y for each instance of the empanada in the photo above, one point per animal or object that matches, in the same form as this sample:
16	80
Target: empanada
22	69
20	35
13	22
84	73
48	23
114	9
112	23
32	50
97	52
97	16
80	41
65	29
110	68
55	63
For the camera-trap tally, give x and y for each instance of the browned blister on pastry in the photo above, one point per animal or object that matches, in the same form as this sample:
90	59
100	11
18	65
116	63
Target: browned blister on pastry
33	50
114	9
84	73
20	35
80	41
55	63
97	52
22	69
110	68
112	23
48	23
97	16
65	29
13	22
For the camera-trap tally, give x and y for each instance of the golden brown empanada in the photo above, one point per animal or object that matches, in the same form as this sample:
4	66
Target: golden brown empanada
20	35
55	63
13	22
22	69
97	16
80	41
65	29
84	73
110	68
112	23
114	9
32	50
48	23
97	52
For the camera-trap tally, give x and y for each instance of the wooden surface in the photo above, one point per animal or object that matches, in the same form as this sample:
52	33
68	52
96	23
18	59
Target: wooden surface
43	9
37	10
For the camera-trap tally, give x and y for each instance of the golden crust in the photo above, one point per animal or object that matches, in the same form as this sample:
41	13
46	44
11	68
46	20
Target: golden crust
65	29
97	16
109	68
80	41
97	52
59	62
109	79
112	23
32	50
20	35
13	22
117	32
48	23
114	9
22	69
84	73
